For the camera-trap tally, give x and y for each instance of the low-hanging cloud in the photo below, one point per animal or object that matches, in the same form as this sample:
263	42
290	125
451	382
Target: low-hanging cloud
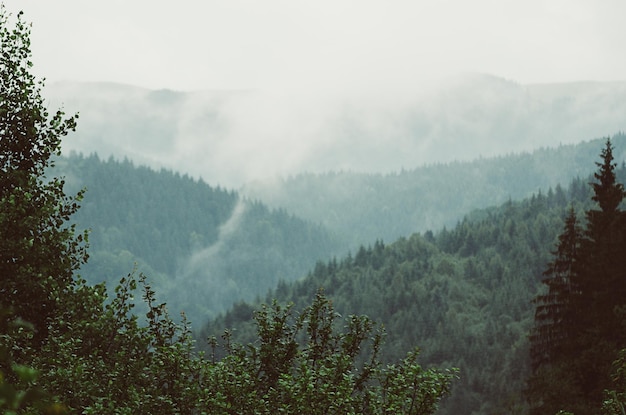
201	261
231	138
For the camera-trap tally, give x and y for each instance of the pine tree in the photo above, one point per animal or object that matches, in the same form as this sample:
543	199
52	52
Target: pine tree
602	281
553	313
578	326
551	337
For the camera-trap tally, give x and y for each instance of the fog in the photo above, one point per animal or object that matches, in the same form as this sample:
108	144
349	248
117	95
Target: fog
242	90
200	262
331	45
230	138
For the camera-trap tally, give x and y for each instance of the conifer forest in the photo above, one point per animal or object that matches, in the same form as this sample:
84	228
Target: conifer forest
482	287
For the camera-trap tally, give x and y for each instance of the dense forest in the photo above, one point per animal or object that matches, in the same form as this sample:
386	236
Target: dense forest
206	248
203	247
464	295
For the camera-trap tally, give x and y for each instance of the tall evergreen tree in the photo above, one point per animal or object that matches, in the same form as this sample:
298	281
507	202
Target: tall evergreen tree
578	326
553	313
551	338
602	282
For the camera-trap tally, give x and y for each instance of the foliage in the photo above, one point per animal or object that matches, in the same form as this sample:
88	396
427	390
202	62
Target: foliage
615	399
18	382
302	364
100	359
38	253
463	294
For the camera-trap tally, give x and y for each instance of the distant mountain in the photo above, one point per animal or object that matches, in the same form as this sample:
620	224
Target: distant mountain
361	207
232	137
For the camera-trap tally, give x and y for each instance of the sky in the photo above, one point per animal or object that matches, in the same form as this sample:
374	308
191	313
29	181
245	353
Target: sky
323	44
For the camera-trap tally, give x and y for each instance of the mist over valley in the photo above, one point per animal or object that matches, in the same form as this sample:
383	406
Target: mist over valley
235	138
345	171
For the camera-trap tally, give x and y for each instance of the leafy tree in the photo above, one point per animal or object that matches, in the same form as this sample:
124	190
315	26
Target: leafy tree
38	252
304	364
615	398
103	360
18	382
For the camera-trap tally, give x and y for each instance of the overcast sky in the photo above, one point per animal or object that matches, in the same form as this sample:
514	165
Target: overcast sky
327	44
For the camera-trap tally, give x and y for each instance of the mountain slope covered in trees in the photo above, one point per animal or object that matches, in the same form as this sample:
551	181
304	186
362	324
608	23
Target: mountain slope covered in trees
464	295
361	208
206	248
203	247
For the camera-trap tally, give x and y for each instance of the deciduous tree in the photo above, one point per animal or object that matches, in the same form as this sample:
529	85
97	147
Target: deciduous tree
38	251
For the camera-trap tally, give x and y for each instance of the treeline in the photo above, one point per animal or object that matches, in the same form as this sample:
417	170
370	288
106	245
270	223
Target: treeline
463	294
361	208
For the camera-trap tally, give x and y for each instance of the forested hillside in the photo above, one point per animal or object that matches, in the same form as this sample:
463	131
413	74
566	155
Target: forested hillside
361	207
463	295
202	247
206	248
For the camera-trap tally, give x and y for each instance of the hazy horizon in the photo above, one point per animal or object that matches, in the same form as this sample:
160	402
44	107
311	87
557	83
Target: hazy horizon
343	85
346	45
231	138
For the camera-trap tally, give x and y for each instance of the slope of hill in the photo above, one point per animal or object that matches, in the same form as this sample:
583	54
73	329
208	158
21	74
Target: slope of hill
361	208
462	295
204	248
207	247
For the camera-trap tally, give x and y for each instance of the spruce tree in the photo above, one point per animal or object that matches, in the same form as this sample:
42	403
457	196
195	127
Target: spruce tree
553	312
602	281
578	326
551	338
